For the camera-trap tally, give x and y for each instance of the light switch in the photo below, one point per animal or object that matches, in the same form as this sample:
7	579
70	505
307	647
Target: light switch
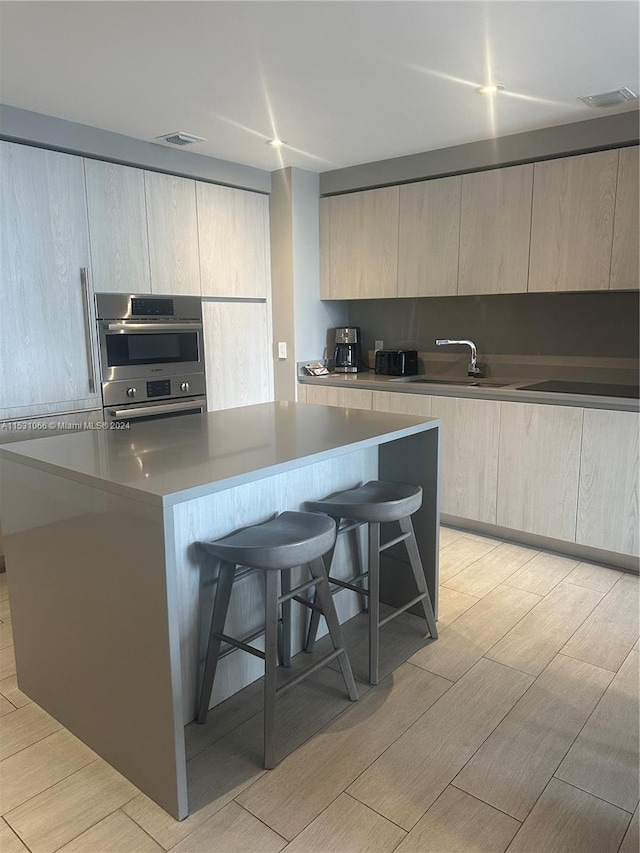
282	349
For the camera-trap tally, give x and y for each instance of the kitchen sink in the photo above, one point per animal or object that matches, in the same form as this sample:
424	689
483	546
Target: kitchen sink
466	383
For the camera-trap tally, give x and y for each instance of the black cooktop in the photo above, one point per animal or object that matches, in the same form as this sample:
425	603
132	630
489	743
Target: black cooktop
598	389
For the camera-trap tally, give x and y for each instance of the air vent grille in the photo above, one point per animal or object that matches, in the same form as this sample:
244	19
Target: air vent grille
179	137
609	99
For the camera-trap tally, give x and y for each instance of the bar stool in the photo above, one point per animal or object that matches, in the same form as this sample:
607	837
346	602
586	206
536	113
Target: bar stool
374	503
291	539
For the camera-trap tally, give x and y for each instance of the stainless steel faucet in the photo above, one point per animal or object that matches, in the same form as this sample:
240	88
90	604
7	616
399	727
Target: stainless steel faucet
474	368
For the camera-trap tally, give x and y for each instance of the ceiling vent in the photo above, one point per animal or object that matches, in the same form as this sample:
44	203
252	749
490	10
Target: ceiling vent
179	137
609	99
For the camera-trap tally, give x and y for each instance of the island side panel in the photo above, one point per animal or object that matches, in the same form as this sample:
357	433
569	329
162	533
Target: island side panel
414	459
86	572
218	514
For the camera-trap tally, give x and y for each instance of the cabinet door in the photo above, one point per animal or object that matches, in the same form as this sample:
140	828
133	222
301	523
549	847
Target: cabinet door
402	404
328	395
572	222
429	235
469	461
360	236
237	348
538	467
608	498
495	226
173	234
44	242
117	228
233	228
624	258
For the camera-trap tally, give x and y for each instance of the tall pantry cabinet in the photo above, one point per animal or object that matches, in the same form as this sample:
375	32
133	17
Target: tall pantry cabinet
46	331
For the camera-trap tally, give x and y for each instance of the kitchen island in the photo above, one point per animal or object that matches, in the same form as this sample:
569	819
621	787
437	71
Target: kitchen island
109	599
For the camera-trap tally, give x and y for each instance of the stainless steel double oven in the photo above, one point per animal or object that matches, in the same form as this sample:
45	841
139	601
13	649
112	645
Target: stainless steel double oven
151	356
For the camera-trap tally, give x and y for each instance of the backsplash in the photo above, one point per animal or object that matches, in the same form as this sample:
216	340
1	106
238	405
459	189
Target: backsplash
585	325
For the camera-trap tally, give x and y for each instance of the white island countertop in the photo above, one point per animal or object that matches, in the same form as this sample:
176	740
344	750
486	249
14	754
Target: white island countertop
169	461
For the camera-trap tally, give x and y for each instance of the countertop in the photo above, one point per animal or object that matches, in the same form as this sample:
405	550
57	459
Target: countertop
169	461
509	391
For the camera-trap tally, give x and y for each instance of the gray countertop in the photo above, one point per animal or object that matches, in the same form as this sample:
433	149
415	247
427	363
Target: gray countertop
509	391
169	461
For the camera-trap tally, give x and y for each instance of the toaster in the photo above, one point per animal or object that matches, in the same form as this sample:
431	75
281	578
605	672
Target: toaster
397	362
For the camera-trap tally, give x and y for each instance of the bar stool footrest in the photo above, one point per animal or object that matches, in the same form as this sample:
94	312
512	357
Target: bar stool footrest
238	644
309	671
402	609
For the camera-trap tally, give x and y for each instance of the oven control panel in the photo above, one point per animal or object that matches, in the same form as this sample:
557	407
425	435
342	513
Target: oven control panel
124	391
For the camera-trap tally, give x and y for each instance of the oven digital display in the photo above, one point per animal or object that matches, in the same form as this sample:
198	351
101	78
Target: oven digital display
152	348
152	307
159	388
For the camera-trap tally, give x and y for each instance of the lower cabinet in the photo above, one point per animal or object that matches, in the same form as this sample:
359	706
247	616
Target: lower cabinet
469	456
328	395
608	495
237	352
538	469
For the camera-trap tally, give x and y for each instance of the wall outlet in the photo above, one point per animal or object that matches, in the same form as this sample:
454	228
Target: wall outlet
379	345
282	349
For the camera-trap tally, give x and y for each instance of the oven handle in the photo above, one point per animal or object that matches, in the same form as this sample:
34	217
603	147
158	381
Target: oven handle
145	411
84	283
154	327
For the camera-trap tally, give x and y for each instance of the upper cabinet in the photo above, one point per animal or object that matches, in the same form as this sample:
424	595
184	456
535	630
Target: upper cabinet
624	258
359	245
429	234
495	224
117	228
233	235
45	324
572	222
173	234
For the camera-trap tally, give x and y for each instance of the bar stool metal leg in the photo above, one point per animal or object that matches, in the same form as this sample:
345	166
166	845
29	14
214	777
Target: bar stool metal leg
323	593
218	618
270	664
406	525
374	601
285	624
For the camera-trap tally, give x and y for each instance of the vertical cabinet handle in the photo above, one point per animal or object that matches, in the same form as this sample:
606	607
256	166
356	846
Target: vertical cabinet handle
84	281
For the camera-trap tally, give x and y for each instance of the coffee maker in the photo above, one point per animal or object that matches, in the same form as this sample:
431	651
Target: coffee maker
346	356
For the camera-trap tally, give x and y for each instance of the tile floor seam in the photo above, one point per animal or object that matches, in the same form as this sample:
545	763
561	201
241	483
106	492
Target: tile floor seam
596	796
86	829
468	566
480	800
12	830
582	660
33	743
139	825
193	755
371	808
53	784
244	809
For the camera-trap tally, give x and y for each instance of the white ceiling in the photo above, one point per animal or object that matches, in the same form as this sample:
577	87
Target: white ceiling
342	82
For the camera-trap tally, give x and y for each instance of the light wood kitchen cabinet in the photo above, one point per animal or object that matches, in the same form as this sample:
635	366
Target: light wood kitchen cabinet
538	468
626	228
44	241
173	234
359	242
233	236
495	225
429	233
402	404
572	222
328	395
237	375
117	228
608	497
469	456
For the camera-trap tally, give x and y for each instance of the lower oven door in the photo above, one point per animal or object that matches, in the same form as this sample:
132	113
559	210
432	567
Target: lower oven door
155	411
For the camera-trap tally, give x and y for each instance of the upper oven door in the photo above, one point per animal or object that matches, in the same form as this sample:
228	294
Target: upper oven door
130	349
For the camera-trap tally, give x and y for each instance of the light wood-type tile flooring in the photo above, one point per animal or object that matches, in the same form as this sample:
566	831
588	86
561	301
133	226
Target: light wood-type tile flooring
517	730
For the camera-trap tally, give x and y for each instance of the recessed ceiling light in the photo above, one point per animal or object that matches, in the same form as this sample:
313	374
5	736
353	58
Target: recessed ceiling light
277	143
490	88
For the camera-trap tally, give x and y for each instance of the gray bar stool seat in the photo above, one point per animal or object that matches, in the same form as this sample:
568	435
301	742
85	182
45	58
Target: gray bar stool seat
291	539
376	502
